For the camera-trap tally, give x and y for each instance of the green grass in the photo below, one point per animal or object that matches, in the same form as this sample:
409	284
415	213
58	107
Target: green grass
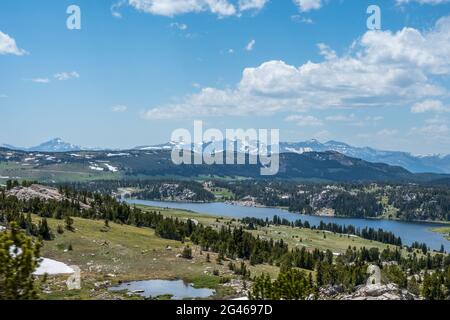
444	230
295	237
311	239
222	193
54	173
126	253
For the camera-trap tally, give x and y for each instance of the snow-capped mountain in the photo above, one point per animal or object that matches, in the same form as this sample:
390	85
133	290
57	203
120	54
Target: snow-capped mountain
214	146
54	145
413	163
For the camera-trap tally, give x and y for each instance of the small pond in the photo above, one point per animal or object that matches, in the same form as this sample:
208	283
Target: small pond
177	289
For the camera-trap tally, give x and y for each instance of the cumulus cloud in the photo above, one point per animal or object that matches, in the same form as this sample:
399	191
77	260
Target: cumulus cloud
8	46
308	5
252	4
170	8
380	69
429	106
326	52
62	76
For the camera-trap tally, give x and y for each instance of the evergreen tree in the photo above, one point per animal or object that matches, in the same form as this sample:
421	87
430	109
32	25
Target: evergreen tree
68	223
44	230
19	258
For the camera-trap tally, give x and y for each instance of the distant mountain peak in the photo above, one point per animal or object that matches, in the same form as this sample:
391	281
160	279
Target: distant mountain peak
55	145
52	145
336	143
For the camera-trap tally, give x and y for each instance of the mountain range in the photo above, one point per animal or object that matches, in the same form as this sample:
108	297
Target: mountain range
413	163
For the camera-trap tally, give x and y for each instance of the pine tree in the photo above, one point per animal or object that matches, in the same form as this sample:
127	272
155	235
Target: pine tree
19	258
68	223
44	230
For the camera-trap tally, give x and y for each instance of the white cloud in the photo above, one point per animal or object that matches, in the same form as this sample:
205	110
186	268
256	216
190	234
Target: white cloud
423	1
429	106
171	8
305	121
387	132
250	45
308	5
179	26
433	130
252	4
380	69
436	120
8	46
115	6
341	118
119	108
62	76
40	80
3	96
326	52
301	19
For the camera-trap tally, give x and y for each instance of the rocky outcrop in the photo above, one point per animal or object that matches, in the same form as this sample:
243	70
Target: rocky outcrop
372	290
41	192
35	191
388	291
380	291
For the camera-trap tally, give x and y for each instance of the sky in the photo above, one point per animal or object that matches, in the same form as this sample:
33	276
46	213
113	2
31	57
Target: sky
139	69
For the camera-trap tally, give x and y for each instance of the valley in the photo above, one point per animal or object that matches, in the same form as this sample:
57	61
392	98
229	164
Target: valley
114	243
127	253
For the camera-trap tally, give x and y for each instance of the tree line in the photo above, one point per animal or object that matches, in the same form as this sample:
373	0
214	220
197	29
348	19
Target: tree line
379	235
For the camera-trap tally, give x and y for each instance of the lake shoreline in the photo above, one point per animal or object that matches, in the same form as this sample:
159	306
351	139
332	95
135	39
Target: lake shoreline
237	203
408	231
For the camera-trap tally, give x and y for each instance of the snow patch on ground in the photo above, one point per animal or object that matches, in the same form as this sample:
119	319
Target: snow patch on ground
122	154
96	168
111	168
52	267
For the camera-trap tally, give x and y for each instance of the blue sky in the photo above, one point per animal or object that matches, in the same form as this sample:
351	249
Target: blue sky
139	69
